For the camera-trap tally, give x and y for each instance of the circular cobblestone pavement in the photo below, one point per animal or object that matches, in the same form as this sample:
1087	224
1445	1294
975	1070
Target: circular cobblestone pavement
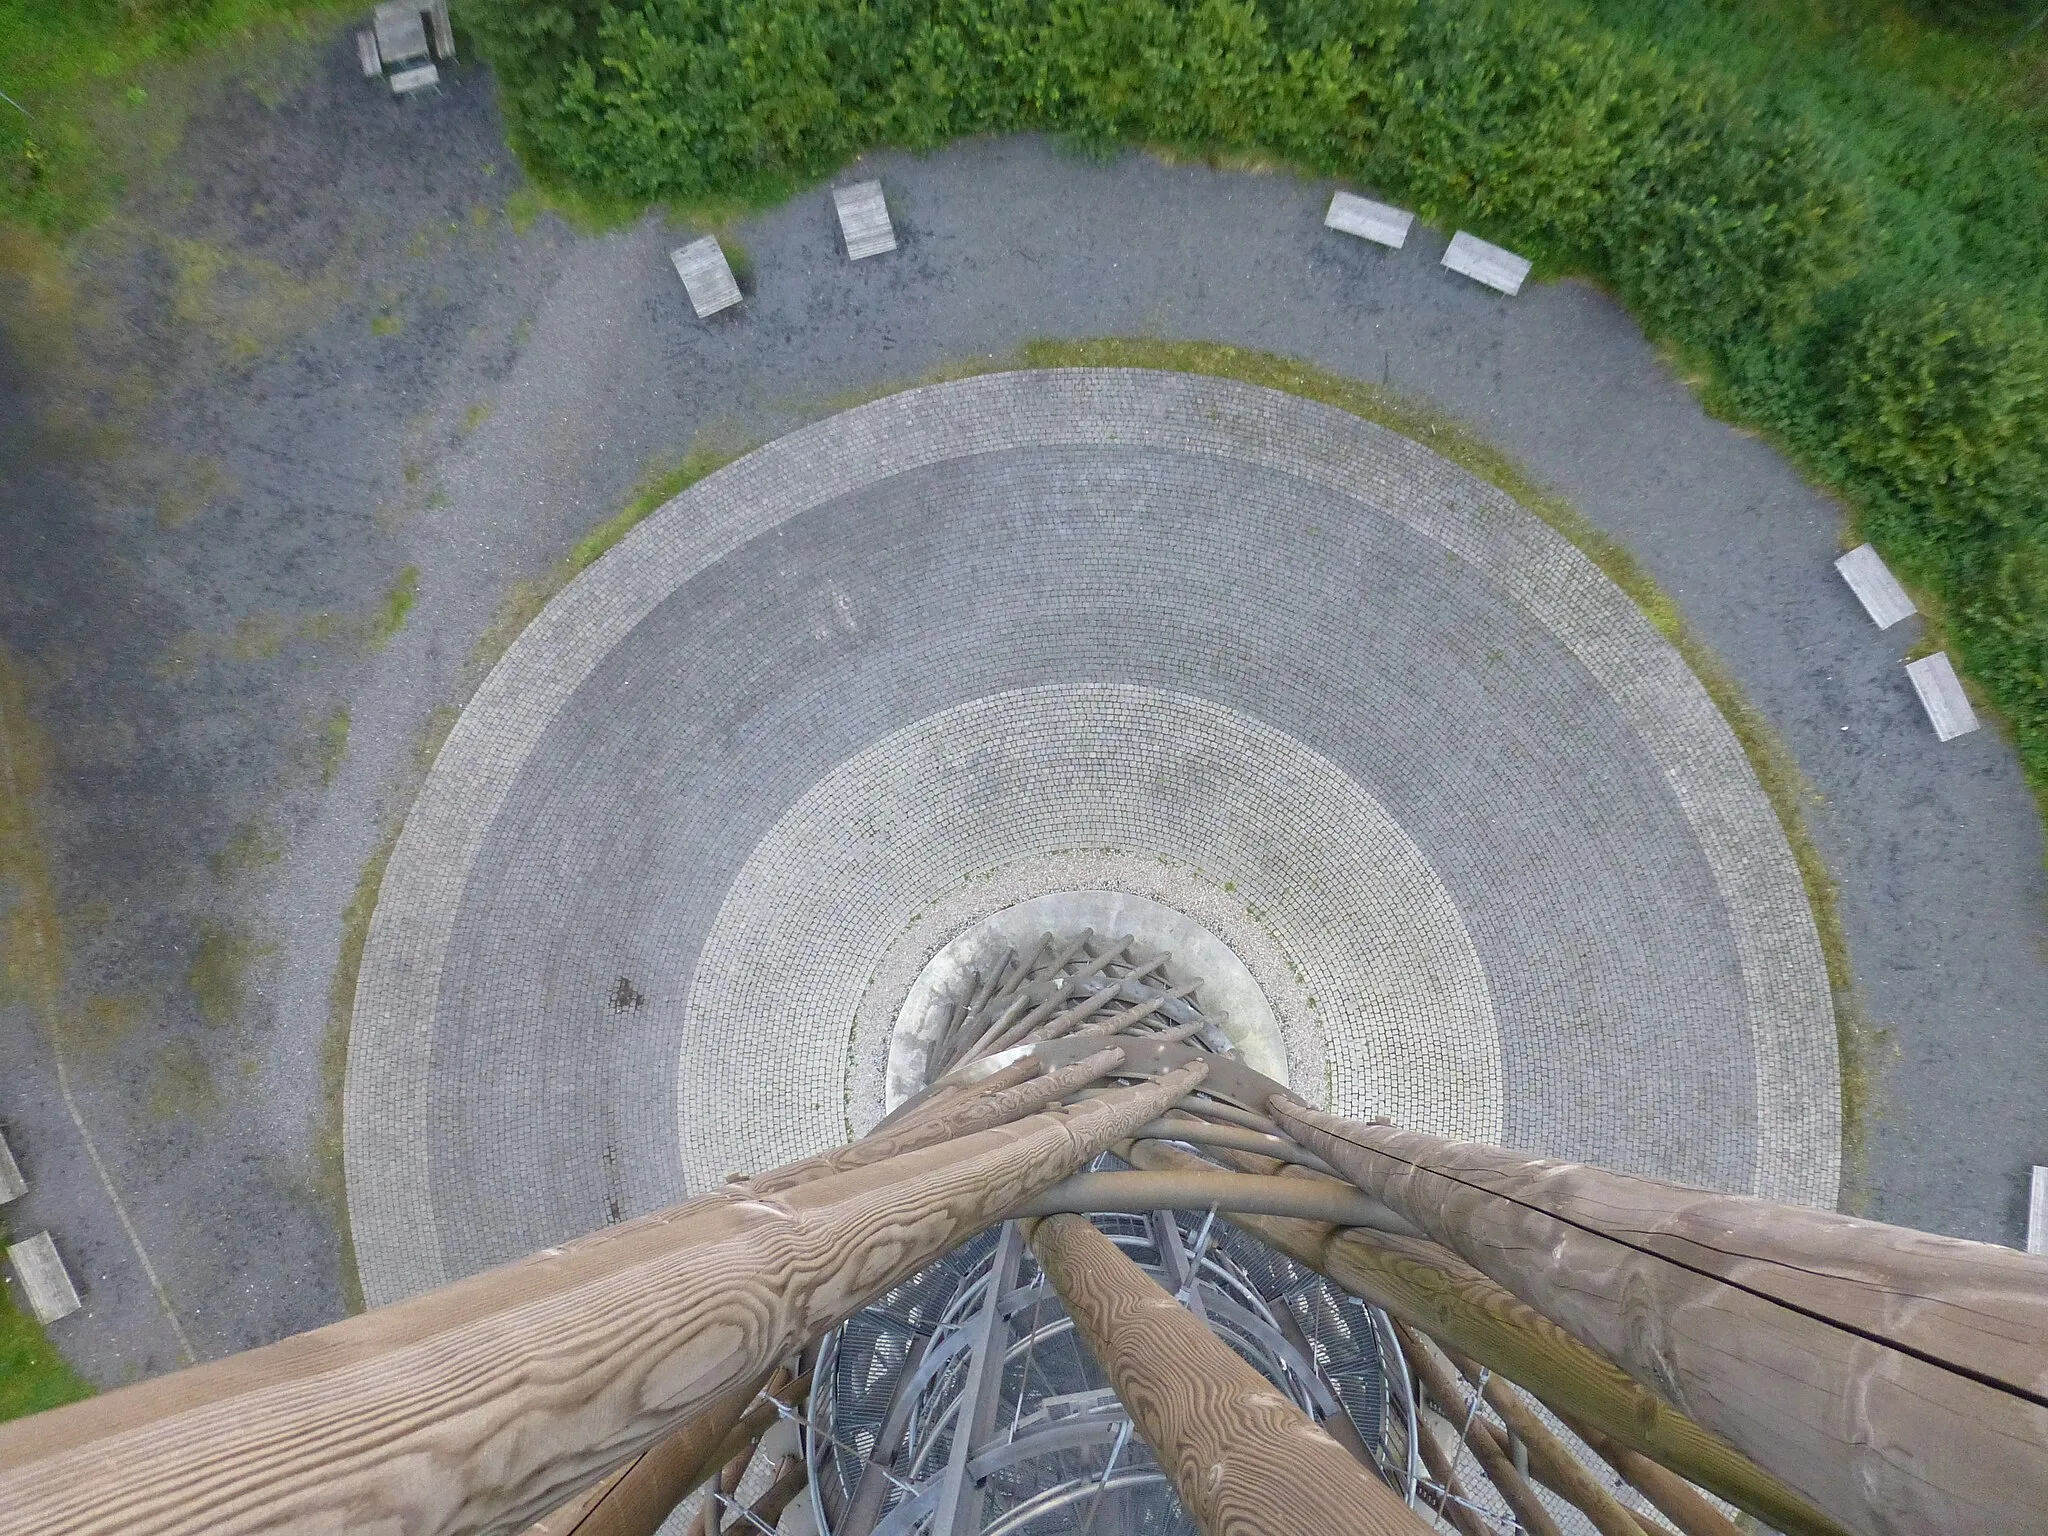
1498	864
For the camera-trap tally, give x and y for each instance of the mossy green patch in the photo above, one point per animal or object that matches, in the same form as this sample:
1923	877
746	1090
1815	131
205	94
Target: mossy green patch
180	1084
390	615
254	845
218	974
243	304
202	483
658	486
97	105
332	744
341	998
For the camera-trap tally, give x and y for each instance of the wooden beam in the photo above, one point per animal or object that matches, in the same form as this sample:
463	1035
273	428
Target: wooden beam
1897	1380
1008	1095
1193	1191
1639	1525
1244	1459
791	1478
1429	1287
1552	1461
481	1406
636	1499
1676	1499
1442	1383
1451	1501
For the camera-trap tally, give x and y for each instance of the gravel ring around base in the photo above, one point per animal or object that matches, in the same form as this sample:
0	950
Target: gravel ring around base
1646	946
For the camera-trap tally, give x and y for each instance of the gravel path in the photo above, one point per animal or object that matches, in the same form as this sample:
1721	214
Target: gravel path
413	384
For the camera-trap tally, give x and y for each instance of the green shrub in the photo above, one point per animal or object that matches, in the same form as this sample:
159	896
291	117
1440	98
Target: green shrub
1842	289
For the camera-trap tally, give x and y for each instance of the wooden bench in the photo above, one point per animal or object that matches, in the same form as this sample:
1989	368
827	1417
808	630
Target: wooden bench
864	219
706	277
12	1185
417	78
1494	265
1381	223
410	36
44	1281
1941	695
1876	588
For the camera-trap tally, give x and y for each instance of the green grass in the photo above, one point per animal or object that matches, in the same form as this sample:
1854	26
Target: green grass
389	617
660	485
33	1376
331	744
82	72
1942	127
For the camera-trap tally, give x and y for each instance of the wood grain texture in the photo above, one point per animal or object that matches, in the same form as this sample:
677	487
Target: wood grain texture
1244	1459
638	1497
1898	1381
482	1405
1016	1091
1676	1499
1457	1405
1550	1459
1427	1286
1193	1191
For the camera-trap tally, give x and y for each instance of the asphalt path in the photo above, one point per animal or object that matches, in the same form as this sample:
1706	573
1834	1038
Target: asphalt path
357	365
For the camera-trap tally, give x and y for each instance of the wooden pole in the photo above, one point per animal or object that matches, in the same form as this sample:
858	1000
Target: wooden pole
1442	1382
1244	1459
1550	1458
1676	1499
997	1103
1193	1191
1452	1502
480	1406
1429	1287
1897	1380
636	1499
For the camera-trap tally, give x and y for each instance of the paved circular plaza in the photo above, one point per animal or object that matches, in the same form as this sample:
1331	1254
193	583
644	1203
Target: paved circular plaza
1496	863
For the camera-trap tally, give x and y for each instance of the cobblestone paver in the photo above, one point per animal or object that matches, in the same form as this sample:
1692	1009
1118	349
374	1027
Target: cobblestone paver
1353	706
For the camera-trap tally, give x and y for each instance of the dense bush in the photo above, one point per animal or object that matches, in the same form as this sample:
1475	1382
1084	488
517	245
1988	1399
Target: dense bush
1727	219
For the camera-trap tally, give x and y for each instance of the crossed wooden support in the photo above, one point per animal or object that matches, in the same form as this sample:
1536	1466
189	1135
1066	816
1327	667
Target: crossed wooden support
1828	1375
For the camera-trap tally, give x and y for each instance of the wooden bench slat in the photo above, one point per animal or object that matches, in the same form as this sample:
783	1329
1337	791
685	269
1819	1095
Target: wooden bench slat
1941	695
12	1185
1876	588
707	277
1381	223
864	220
44	1281
1494	265
417	78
